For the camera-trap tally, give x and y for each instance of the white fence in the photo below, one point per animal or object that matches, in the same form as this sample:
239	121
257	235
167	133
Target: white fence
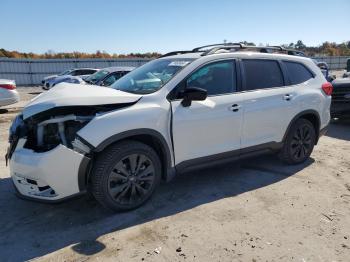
32	71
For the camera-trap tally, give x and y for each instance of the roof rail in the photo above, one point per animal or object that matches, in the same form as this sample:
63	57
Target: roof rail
235	47
261	49
176	53
197	49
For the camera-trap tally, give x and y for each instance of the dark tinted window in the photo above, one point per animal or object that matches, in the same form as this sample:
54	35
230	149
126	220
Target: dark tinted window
112	78
297	73
217	78
262	74
83	72
86	72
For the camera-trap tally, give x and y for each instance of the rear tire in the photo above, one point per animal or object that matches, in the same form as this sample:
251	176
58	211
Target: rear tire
125	175
299	142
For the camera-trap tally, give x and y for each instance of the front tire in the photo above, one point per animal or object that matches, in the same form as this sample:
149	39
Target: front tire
299	142
125	175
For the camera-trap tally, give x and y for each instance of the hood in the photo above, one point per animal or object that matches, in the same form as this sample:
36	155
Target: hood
66	94
65	78
49	77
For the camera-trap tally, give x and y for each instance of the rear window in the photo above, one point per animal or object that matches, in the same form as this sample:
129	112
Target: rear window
297	72
260	74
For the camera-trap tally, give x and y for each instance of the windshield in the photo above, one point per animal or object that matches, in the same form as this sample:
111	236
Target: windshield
65	72
151	76
99	75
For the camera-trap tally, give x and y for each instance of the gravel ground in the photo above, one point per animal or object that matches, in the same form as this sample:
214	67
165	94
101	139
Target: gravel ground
256	210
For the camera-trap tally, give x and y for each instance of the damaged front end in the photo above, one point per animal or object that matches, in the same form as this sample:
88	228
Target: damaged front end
47	159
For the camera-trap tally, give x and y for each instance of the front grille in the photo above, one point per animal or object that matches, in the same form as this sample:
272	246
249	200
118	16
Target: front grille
47	85
338	95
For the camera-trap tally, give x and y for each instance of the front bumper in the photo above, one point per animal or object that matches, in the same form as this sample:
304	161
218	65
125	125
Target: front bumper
48	176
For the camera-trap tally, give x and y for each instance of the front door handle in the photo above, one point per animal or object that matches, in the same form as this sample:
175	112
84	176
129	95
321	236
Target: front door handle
235	107
287	97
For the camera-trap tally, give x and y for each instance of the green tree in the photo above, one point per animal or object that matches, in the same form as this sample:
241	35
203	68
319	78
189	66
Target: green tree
300	45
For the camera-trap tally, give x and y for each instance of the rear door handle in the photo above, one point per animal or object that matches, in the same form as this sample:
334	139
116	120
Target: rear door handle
287	97
235	107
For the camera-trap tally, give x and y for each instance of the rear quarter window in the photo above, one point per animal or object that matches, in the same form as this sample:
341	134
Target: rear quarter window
297	72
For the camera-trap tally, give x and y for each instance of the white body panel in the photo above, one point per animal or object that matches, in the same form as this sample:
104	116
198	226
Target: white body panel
148	113
266	115
206	127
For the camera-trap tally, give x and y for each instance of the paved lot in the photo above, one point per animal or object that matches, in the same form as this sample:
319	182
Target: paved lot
256	210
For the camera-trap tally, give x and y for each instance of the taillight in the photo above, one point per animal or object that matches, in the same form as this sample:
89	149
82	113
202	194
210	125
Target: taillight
8	86
327	88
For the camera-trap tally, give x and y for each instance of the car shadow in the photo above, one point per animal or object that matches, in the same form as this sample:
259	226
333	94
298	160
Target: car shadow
340	129
29	229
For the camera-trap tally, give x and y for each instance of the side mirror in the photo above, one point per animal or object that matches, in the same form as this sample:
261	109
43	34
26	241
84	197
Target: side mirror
193	94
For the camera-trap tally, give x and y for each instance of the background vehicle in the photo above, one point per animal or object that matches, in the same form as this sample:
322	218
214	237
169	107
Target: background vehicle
107	76
185	110
8	93
340	107
325	70
51	81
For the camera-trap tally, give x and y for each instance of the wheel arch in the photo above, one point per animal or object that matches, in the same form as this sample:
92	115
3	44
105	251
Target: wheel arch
311	115
149	137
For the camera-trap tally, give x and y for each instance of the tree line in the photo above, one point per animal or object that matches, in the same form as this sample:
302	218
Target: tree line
325	49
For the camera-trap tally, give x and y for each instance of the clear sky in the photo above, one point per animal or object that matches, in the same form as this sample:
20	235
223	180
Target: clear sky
163	25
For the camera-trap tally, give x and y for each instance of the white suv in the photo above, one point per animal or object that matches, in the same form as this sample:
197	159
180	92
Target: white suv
185	110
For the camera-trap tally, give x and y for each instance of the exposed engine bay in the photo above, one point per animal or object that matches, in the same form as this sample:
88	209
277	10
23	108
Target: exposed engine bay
47	134
47	130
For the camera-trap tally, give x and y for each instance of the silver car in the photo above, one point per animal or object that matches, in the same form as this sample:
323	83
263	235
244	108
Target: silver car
8	93
50	81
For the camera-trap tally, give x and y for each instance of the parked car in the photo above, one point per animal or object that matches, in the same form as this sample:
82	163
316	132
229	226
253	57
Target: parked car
185	110
107	76
103	77
50	81
8	92
325	70
340	107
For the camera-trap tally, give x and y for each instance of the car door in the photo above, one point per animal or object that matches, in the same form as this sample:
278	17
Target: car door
209	127
268	103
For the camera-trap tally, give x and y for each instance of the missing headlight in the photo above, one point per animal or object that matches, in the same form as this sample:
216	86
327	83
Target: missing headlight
47	134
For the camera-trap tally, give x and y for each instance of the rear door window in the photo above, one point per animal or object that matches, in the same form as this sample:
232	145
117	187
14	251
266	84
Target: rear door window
297	72
260	74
